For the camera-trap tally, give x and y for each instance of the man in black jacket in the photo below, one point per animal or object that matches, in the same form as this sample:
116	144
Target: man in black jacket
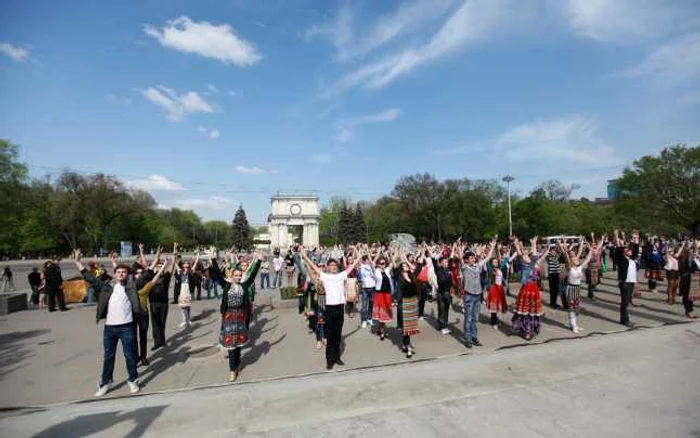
625	256
54	285
444	299
118	304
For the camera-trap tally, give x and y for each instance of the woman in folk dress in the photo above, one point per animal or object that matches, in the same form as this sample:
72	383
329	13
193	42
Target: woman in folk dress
234	311
527	314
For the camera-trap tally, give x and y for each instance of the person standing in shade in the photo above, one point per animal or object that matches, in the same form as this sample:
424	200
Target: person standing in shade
687	265
471	279
334	285
54	285
118	304
34	279
625	260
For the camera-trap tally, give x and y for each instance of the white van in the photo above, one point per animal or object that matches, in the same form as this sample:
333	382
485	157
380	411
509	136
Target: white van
552	240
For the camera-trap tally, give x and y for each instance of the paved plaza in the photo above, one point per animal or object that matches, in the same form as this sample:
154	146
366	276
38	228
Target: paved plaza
52	358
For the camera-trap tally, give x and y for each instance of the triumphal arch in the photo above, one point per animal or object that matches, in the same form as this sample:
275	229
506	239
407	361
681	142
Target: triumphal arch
294	219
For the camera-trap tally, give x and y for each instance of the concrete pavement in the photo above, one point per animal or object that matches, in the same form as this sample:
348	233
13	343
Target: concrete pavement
640	383
49	358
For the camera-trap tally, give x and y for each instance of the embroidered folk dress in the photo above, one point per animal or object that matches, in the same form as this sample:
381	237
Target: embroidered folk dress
234	308
234	331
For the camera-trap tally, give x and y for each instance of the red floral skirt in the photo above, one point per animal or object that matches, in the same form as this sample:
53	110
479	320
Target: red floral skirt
496	299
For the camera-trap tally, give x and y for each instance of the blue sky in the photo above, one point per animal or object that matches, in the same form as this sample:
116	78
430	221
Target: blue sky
209	104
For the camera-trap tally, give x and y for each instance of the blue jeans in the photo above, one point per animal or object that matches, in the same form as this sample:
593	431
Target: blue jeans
366	311
278	279
90	295
125	333
472	307
264	280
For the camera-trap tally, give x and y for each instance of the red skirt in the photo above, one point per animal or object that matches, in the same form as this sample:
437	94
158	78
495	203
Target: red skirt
496	300
529	301
381	310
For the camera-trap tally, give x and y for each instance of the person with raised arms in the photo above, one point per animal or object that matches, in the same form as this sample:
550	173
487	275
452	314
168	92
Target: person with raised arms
334	284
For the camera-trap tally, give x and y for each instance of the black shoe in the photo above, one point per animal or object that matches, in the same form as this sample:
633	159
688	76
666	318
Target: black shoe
477	343
155	347
555	306
145	362
404	348
628	324
468	344
52	310
65	309
329	367
340	362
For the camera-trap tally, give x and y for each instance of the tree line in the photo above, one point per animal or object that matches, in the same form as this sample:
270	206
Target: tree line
659	194
94	212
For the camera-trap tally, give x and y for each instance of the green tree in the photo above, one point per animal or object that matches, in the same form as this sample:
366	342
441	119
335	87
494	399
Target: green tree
241	230
664	190
345	224
359	225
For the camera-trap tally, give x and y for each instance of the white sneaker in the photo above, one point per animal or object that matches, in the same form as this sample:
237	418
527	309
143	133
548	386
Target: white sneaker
182	324
364	324
104	389
445	331
370	323
422	318
133	387
578	329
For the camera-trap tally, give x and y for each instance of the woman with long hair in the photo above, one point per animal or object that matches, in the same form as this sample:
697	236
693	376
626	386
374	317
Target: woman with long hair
407	291
687	265
528	312
496	297
575	268
672	276
381	310
233	334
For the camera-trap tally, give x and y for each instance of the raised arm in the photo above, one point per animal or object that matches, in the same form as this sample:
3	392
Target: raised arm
489	254
355	264
587	260
87	275
310	266
141	258
581	244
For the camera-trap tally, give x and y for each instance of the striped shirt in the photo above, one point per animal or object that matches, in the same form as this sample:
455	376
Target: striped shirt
553	265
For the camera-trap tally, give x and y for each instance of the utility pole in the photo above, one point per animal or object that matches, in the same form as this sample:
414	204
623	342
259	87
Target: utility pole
508	179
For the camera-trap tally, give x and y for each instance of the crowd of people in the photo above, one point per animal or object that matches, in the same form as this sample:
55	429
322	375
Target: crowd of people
382	282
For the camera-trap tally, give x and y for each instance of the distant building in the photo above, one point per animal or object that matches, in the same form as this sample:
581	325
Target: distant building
613	190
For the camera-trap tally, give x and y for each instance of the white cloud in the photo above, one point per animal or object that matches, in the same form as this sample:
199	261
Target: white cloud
155	182
344	134
322	158
213	88
675	61
211	133
253	170
572	140
407	18
629	21
689	99
114	100
232	93
213	202
472	22
344	126
177	106
18	53
209	40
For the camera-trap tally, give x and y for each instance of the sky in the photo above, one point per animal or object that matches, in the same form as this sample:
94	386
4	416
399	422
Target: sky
212	104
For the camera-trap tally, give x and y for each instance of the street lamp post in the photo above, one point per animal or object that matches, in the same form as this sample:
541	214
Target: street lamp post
507	179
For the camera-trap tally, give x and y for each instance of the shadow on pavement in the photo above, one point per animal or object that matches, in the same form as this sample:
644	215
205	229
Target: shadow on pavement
86	425
13	353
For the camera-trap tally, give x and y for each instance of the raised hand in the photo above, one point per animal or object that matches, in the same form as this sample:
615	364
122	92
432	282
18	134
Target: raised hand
77	254
140	248
112	256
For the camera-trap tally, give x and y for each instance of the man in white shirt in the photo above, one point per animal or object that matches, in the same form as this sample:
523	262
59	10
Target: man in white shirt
277	264
334	285
118	304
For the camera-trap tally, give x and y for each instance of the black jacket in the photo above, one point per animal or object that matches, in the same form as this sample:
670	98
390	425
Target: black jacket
53	279
444	280
623	262
105	292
